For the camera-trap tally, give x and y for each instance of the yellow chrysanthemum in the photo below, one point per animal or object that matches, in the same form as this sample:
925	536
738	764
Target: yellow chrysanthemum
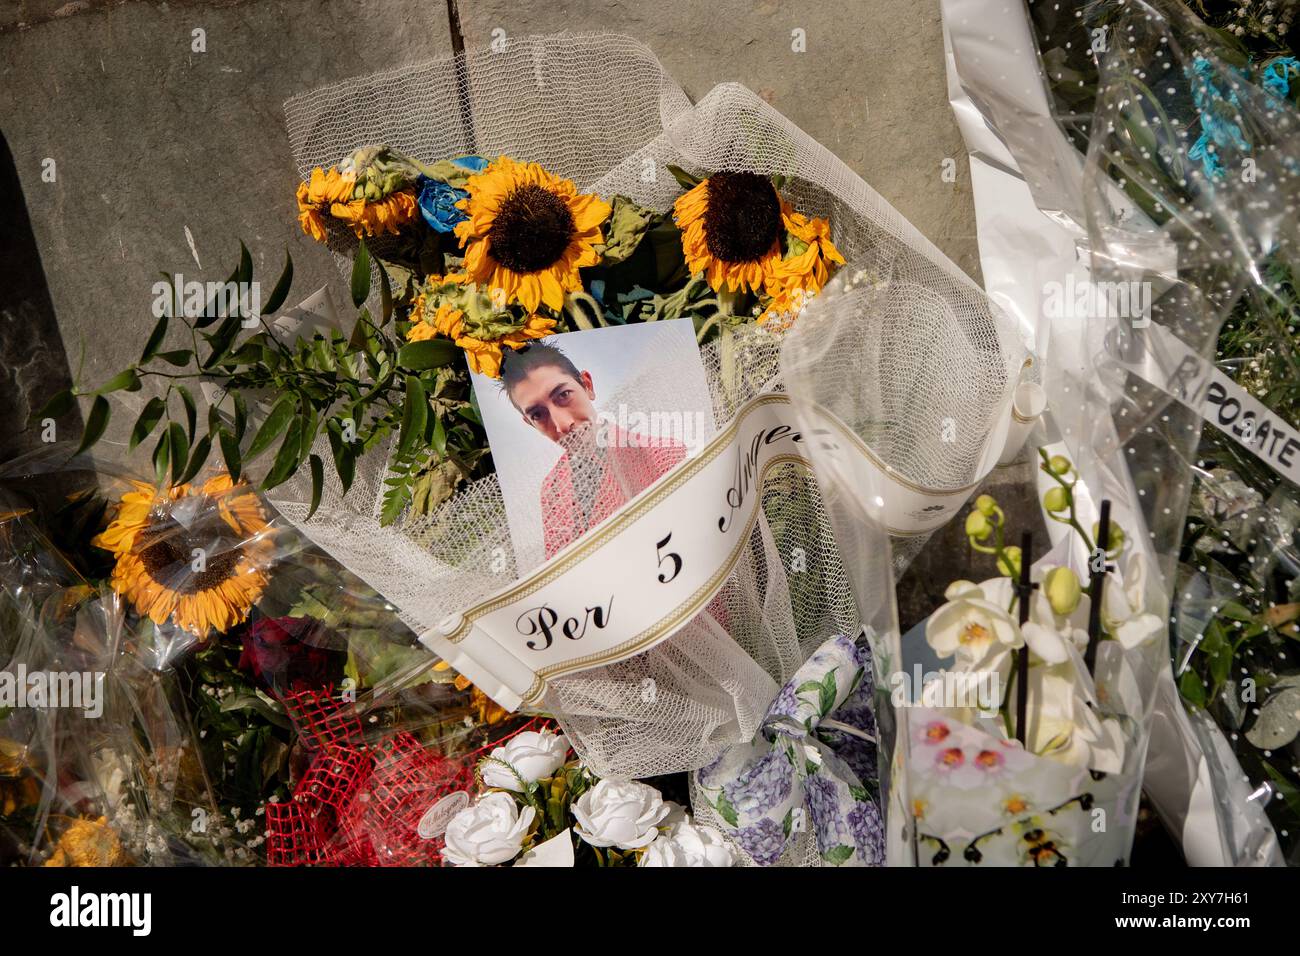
196	556
528	233
318	194
731	226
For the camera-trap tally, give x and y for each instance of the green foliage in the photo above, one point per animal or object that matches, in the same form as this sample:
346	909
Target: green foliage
358	389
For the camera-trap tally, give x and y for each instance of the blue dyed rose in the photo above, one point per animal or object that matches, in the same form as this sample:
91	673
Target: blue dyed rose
438	199
438	204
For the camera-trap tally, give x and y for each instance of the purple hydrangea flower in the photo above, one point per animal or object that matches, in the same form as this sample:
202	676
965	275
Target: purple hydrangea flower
823	807
762	786
764	841
868	833
785	705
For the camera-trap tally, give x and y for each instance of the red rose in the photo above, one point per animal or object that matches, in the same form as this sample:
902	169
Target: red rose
291	654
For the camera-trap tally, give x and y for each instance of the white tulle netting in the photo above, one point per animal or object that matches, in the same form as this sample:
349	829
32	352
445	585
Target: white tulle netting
920	367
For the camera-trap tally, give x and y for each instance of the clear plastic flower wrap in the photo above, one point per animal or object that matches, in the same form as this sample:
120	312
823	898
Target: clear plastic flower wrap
187	681
547	99
1204	136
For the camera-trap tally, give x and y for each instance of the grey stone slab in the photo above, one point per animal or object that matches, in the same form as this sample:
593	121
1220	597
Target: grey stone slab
158	147
869	84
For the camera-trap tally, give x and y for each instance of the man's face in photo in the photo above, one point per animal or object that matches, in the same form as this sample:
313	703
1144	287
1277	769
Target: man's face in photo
555	403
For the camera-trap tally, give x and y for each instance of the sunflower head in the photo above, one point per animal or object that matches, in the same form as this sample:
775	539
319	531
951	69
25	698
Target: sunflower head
731	227
194	555
528	232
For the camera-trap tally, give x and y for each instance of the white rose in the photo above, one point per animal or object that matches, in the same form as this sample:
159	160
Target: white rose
491	831
526	758
689	844
621	813
974	627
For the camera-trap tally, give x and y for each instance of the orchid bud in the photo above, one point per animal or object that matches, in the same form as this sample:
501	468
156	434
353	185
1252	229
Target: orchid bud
1009	562
1057	499
977	526
1059	465
1117	538
1063	590
986	505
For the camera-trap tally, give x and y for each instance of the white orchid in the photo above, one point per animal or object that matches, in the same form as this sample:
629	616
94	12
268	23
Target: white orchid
1061	726
975	627
1123	604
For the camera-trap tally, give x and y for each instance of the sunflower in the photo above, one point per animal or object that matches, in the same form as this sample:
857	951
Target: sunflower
376	217
809	260
528	233
193	555
334	193
731	227
482	337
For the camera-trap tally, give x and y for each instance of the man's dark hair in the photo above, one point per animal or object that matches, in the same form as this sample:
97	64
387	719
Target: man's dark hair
516	366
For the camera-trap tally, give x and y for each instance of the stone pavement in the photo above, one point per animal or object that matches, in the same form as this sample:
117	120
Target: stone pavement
160	126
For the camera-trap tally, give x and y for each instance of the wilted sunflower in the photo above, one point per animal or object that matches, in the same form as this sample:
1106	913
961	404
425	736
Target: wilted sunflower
528	233
317	195
482	337
336	193
810	257
732	224
194	555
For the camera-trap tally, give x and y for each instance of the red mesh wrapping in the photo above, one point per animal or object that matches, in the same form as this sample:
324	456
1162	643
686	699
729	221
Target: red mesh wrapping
333	781
323	720
293	836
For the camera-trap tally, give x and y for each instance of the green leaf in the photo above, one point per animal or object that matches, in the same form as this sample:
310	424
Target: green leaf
197	457
838	855
241	416
210	311
180	449
414	416
147	421
96	422
60	403
161	451
727	810
126	379
191	411
361	275
1192	688
344	459
155	340
245	271
288	457
177	357
230	452
281	290
828	691
431	353
317	483
685	179
439	438
276	422
385	296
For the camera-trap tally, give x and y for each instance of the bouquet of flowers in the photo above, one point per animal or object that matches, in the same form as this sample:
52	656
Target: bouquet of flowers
325	494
